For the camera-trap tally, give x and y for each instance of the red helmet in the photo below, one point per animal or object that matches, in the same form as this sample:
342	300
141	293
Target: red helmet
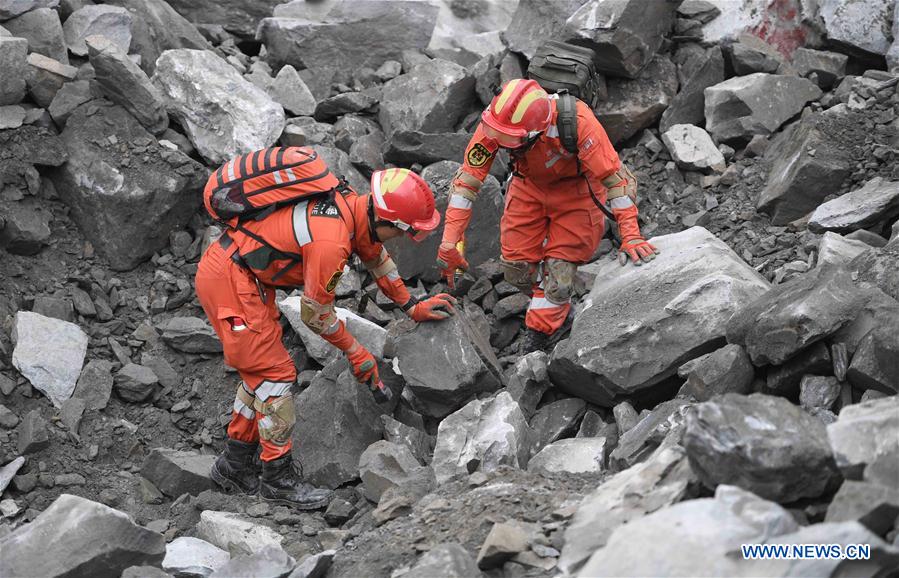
520	111
403	198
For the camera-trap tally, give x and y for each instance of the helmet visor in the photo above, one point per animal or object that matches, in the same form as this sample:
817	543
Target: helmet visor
504	140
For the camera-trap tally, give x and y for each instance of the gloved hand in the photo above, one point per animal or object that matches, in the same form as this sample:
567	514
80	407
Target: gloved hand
640	251
449	259
365	368
435	308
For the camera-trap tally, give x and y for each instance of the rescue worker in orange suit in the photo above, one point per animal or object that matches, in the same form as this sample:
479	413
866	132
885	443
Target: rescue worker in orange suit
550	223
236	281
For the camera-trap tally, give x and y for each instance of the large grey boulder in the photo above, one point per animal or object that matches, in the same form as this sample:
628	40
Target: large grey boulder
879	267
482	436
445	363
337	420
94	384
861	27
121	184
664	479
873	505
744	106
49	353
778	324
632	105
384	465
555	421
224	114
113	22
625	35
190	335
135	383
663	426
43	31
157	27
828	67
26	227
536	21
371	335
408	147
448	560
692	149
875	202
834	249
187	555
13	53
45	76
236	16
761	443
87	538
444	94
809	161
572	456
685	301
528	380
875	364
698	72
12	8
124	83
177	472
863	433
482	236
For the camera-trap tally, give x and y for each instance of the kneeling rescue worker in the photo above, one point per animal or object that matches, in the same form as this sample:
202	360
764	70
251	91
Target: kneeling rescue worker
551	222
292	223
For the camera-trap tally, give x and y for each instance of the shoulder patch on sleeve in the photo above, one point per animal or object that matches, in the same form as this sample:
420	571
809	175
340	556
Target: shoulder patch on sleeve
334	280
478	155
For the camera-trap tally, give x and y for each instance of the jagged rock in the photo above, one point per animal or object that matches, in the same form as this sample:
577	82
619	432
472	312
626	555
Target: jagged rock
528	381
703	70
536	21
481	436
94	384
167	375
372	336
26	227
654	545
12	116
834	249
875	365
157	27
124	83
862	28
763	102
752	54
190	335
448	560
191	556
144	572
633	105
863	433
408	147
135	383
337	419
8	419
867	237
71	413
45	76
88	539
146	196
873	505
344	103
236	16
418	442
340	164
481	239
289	90
13	54
828	67
515	304
664	422
68	98
33	434
446	363
504	541
692	149
818	391
664	479
803	157
12	8
8	472
270	562
366	153
624	35
686	300
763	444
398	501
879	268
224	114
177	472
353	36
625	416
113	22
875	202
384	465
572	456
58	308
778	324
444	95
555	421
314	566
235	533
42	29
726	370
49	353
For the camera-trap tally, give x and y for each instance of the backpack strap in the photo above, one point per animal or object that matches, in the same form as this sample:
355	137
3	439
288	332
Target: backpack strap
566	121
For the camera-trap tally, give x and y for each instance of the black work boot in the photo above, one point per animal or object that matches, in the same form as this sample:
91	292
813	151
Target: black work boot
538	341
236	470
281	484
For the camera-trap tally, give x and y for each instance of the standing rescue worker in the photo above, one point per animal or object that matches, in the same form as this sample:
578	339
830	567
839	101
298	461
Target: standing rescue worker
551	222
305	243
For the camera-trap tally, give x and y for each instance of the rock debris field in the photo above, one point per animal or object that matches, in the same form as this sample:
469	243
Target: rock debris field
740	389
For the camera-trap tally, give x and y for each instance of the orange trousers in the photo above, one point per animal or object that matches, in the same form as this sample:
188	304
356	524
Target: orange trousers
251	338
550	221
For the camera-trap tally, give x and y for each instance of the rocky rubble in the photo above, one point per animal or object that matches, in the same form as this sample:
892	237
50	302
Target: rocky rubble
742	388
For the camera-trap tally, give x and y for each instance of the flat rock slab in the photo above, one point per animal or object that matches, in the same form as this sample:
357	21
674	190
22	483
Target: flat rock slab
176	472
572	456
234	532
190	335
834	249
188	555
49	353
692	148
372	336
677	306
876	201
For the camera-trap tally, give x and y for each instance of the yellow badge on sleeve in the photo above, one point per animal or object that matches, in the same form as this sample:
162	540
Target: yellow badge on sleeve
478	155
333	281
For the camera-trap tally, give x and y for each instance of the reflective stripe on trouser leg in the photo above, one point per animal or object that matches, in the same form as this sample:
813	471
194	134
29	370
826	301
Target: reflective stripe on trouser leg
243	418
543	315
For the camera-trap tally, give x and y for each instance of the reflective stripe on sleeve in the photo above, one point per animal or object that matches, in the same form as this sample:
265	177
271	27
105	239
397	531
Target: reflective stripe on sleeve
301	224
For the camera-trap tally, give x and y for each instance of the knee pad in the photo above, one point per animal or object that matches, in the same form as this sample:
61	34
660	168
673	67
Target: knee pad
519	274
558	280
278	419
